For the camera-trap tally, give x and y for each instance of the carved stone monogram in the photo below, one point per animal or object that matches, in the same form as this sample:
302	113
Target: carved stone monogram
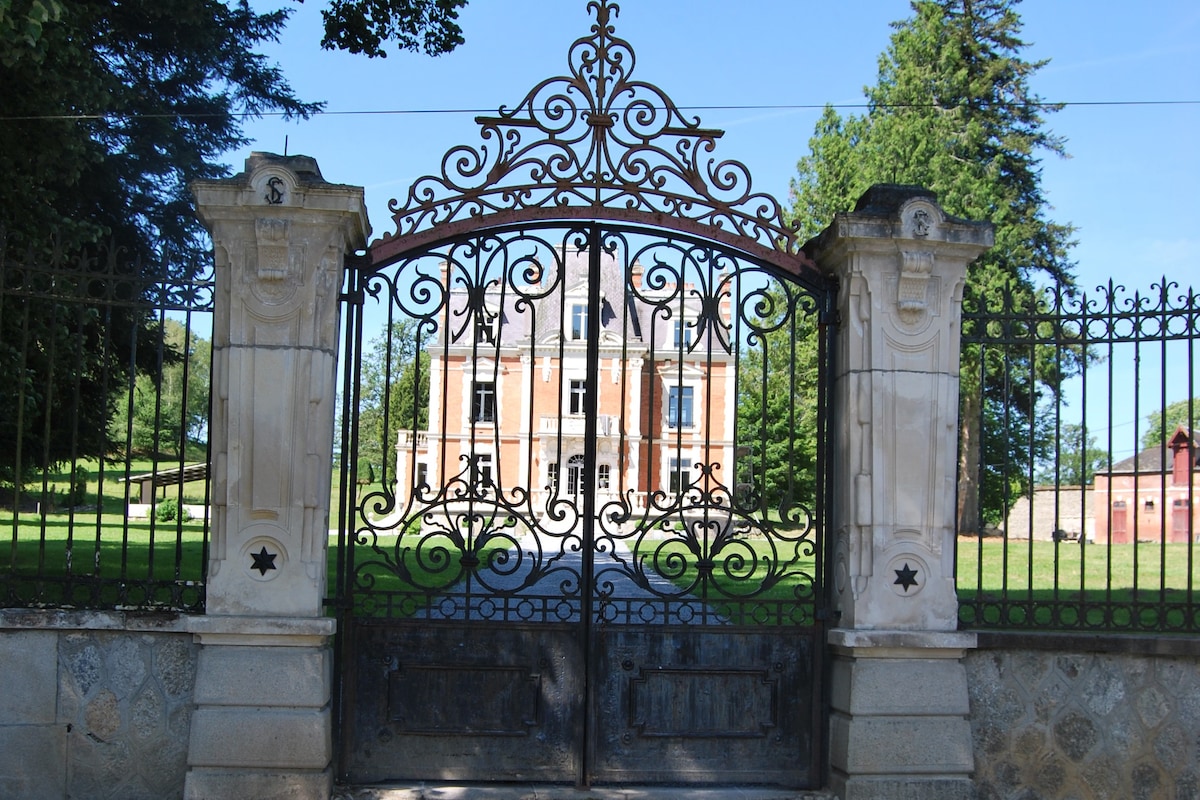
275	191
921	222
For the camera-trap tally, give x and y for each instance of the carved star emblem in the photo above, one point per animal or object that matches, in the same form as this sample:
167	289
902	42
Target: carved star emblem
906	577
263	561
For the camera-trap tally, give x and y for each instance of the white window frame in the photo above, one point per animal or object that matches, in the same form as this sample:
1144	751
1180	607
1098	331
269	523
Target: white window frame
481	410
675	396
577	396
579	321
678	466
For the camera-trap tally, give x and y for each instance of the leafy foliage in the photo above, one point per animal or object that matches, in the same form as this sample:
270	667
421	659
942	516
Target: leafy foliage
1161	424
1077	460
953	111
362	26
166	409
394	395
111	109
108	116
120	106
170	510
21	24
778	364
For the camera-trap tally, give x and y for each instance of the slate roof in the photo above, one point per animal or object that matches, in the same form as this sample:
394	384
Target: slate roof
1154	460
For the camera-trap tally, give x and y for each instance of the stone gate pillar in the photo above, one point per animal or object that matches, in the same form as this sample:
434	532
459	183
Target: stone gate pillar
899	725
262	724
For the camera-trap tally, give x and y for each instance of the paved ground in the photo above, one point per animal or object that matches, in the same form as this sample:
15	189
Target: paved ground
429	791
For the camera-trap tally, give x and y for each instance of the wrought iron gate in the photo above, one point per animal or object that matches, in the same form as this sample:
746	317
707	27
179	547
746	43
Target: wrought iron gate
583	474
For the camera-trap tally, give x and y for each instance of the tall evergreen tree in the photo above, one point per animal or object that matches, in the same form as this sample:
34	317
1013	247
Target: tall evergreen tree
953	111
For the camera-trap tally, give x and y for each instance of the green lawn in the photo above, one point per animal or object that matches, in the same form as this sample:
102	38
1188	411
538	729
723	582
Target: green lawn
1072	567
1147	586
85	557
92	554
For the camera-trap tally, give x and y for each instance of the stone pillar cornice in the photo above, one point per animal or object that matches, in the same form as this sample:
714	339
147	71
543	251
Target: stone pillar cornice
886	215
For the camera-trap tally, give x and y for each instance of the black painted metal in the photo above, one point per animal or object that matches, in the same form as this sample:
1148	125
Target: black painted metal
1075	559
88	417
598	555
709	573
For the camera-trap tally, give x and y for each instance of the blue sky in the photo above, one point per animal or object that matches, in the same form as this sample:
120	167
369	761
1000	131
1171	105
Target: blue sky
1131	185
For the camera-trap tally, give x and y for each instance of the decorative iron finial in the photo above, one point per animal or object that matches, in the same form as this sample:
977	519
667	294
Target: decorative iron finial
600	145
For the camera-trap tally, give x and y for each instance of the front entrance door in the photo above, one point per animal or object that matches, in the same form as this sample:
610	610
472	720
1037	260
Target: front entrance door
594	550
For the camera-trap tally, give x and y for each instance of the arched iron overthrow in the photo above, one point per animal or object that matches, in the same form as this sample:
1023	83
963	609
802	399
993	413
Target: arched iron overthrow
596	143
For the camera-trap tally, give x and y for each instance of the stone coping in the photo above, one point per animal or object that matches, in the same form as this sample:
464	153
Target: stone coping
165	622
1080	642
927	644
64	620
841	638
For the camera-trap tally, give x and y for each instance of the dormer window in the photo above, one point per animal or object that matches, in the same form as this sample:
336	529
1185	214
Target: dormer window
579	320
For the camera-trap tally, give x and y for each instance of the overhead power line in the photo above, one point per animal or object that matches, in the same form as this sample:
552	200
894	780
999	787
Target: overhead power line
440	111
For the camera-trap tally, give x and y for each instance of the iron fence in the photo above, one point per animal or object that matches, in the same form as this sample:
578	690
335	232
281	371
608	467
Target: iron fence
104	376
1078	461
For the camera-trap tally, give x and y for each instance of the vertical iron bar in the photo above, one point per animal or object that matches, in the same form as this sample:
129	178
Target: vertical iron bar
1136	327
1108	313
591	399
18	467
1163	506
823	574
1191	328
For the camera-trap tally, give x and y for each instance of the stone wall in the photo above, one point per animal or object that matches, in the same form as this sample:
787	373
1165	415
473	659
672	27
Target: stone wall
1086	718
1054	508
94	705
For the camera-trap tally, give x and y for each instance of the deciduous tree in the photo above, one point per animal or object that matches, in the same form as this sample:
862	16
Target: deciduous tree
394	394
111	109
1161	424
163	412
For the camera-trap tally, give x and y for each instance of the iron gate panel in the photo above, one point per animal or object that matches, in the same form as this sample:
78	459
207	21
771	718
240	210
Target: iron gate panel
702	705
584	563
472	702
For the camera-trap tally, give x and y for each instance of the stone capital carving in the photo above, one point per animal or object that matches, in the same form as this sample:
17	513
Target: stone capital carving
915	268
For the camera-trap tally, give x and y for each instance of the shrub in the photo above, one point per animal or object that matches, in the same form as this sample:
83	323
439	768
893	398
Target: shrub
169	510
78	493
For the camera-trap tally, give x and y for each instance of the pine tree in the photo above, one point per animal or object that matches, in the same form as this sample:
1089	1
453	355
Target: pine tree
953	111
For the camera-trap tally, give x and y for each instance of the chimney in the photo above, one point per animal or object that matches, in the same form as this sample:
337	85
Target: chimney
1183	457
